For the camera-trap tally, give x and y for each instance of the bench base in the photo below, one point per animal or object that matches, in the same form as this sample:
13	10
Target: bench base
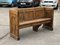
47	27
14	36
35	28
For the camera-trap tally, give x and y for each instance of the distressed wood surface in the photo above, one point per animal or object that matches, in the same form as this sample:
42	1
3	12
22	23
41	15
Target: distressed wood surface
25	17
49	12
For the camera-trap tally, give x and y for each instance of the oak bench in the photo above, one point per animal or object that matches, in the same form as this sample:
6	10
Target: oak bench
25	17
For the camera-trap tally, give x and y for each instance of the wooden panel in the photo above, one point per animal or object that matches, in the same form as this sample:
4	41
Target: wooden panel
39	13
49	12
26	14
21	16
14	24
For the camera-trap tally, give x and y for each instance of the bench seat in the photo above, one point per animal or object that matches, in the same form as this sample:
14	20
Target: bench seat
34	21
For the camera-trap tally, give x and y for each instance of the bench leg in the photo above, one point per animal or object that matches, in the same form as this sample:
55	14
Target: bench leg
35	28
49	13
48	26
14	34
14	27
14	30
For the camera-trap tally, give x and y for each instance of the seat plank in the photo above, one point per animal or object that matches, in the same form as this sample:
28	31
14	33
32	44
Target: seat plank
34	21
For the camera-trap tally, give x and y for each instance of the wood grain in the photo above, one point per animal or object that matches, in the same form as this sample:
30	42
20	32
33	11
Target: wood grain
26	17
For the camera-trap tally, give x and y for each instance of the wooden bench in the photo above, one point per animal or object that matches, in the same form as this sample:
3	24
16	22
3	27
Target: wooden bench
25	17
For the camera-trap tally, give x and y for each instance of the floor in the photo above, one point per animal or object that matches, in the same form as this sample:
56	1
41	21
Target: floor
28	36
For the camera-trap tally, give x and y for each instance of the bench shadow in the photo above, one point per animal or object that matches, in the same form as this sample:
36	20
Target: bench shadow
29	33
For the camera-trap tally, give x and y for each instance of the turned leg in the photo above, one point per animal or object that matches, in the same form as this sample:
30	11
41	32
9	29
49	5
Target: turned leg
14	26
35	28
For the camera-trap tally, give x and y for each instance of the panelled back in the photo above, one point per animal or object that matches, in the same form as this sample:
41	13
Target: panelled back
26	14
39	12
49	11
